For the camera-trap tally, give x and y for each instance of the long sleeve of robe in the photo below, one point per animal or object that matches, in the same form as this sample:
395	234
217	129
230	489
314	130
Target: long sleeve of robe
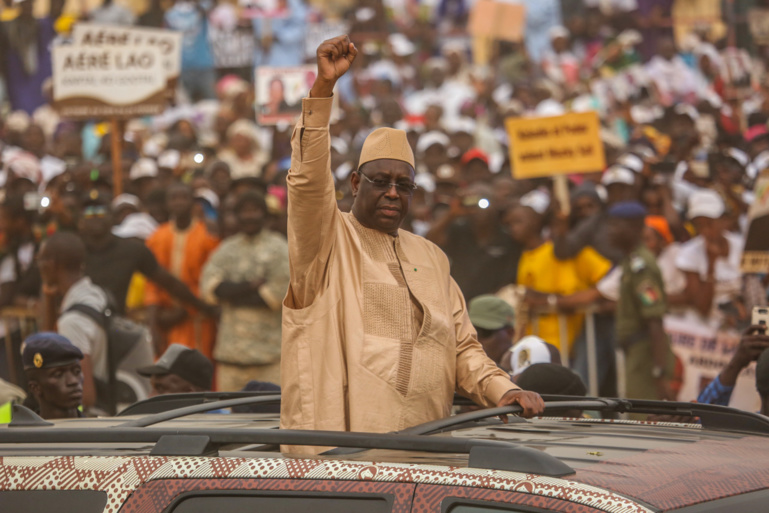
376	335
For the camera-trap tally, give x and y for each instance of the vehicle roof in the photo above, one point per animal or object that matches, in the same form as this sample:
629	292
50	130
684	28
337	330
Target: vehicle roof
663	465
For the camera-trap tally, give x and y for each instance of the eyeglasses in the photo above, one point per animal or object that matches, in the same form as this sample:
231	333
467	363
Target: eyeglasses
404	188
95	211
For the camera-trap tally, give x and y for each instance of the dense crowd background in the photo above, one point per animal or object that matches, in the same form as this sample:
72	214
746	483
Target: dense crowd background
680	87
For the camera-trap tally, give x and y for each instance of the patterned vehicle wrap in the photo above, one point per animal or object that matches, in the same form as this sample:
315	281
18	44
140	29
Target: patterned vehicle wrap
687	474
120	476
155	495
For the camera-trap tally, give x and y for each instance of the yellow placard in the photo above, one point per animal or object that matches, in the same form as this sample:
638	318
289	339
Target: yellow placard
556	145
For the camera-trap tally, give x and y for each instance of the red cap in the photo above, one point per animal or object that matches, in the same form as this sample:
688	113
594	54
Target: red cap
475	153
754	132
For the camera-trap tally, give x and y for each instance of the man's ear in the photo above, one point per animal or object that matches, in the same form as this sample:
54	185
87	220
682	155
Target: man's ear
354	182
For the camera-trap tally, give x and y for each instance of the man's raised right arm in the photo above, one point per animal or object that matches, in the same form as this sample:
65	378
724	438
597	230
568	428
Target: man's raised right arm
312	209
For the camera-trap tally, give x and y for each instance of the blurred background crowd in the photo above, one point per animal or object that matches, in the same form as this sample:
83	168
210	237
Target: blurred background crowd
195	247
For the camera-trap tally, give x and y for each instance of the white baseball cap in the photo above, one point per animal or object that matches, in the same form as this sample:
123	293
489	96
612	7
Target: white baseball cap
401	45
208	195
425	181
705	203
143	168
618	174
169	159
125	199
431	138
632	162
536	200
528	351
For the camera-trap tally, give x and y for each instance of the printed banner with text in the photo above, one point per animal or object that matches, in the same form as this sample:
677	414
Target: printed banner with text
704	352
555	145
107	81
168	42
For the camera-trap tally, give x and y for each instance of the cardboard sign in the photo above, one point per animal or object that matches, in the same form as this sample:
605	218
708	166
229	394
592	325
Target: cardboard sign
555	145
108	81
497	20
758	21
232	48
319	32
168	42
704	353
755	256
279	92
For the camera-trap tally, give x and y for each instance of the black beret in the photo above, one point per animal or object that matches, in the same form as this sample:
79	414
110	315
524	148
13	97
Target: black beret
45	350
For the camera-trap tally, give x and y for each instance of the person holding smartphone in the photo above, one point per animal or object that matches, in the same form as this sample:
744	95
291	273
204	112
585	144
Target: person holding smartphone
753	343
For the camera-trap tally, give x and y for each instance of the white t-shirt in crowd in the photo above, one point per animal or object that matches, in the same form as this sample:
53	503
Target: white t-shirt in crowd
81	330
728	278
673	278
25	255
8	268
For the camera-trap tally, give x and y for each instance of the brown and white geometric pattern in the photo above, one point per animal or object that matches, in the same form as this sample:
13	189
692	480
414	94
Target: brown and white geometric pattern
119	476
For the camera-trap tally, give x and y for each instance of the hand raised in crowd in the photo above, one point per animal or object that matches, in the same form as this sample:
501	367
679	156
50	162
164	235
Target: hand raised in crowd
754	341
335	56
716	249
211	310
170	316
531	402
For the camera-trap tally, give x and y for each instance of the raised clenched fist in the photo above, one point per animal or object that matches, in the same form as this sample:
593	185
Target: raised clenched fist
335	56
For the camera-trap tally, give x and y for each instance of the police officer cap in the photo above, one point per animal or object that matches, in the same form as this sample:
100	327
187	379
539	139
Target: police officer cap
627	210
490	312
96	198
46	350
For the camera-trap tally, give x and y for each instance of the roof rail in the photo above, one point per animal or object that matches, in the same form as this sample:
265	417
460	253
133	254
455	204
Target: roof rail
167	402
446	424
490	454
711	416
156	418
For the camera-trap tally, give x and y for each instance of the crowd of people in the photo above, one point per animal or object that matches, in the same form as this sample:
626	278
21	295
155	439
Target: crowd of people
196	249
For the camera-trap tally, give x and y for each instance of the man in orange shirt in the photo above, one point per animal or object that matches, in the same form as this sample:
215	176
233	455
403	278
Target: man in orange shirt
182	246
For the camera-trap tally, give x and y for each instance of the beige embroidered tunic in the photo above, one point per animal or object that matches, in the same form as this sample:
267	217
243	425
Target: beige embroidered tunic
376	335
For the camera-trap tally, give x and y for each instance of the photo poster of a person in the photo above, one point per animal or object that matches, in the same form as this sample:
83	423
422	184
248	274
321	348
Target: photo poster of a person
264	8
279	93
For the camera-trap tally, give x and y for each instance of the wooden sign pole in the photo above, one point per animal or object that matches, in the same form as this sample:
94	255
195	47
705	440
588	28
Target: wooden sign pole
117	157
561	192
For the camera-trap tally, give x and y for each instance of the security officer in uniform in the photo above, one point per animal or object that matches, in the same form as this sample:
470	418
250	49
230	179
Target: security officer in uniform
649	361
52	365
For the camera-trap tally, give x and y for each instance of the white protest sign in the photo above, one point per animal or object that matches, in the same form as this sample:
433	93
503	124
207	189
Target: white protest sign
704	352
232	48
107	81
168	42
318	32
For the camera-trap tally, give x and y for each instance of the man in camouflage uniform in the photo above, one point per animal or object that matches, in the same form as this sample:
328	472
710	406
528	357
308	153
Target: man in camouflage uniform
649	361
248	276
